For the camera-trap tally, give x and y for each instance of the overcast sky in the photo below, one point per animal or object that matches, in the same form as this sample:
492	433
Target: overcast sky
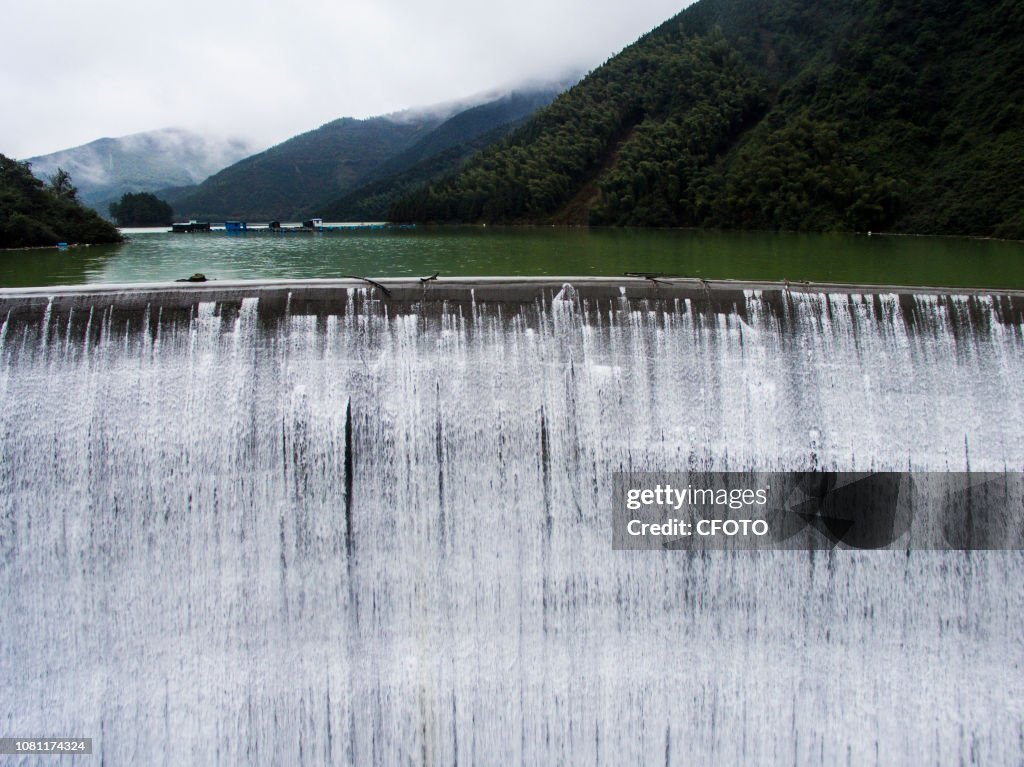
71	72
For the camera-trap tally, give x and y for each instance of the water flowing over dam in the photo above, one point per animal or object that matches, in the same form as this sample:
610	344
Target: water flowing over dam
319	524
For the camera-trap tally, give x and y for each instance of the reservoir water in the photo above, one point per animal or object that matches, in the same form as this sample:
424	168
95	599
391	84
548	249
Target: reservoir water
302	527
460	251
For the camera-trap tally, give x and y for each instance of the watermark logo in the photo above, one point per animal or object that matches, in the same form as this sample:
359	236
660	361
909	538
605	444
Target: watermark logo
818	510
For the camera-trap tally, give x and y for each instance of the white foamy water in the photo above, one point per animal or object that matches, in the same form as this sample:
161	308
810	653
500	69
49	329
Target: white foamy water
186	580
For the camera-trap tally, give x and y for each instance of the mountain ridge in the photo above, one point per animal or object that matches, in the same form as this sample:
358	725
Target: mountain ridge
443	149
286	180
307	174
106	168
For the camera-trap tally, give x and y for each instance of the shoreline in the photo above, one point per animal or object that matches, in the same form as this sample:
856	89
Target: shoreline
698	229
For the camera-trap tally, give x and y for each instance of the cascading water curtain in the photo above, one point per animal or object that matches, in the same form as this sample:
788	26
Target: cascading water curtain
380	535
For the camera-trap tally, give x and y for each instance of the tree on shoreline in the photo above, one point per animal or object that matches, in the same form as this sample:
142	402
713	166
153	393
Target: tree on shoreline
60	185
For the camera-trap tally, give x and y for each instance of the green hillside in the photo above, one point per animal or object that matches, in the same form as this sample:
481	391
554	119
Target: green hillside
34	214
776	114
288	180
441	151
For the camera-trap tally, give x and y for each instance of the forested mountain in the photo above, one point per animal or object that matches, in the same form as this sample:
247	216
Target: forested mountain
310	174
34	213
285	181
442	150
107	168
902	115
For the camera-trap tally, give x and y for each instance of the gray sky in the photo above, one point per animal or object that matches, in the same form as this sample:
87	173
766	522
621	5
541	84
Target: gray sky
71	72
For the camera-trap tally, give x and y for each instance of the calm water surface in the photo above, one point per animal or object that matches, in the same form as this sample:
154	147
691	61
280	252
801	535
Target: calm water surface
156	255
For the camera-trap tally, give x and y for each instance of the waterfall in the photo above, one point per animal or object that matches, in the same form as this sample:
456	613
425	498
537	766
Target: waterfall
262	531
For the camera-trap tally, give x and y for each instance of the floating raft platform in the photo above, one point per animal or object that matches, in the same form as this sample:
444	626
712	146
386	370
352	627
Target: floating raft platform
241	227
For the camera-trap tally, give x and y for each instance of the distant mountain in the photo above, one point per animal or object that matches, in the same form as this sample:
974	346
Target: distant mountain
105	169
311	173
288	180
36	214
471	123
441	151
775	114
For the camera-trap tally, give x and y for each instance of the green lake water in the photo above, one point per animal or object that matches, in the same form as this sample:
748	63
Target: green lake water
156	255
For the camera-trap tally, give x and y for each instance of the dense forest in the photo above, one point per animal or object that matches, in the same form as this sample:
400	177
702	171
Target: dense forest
775	114
35	213
141	209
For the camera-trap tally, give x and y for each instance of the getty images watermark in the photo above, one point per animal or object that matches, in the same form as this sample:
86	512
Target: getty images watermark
818	510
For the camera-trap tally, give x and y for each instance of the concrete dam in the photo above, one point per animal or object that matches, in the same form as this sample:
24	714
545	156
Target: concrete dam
334	522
